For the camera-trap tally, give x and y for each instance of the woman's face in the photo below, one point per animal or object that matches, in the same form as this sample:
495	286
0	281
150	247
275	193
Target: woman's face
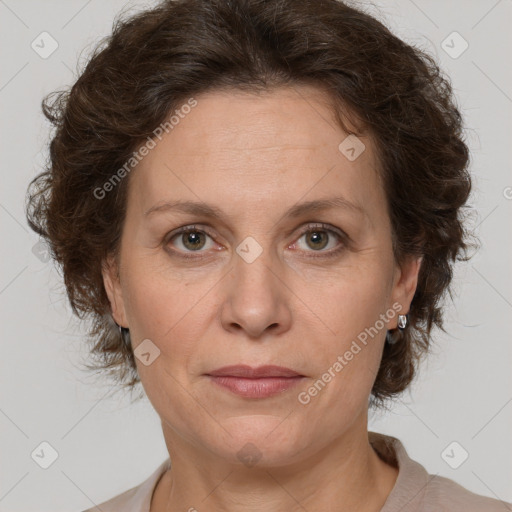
262	279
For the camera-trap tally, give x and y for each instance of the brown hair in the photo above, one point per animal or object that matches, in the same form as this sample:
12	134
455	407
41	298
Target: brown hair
156	59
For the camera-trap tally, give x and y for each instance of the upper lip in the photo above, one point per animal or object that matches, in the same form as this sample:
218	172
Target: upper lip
242	370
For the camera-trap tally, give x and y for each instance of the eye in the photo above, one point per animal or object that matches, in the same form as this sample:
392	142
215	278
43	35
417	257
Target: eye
190	239
320	237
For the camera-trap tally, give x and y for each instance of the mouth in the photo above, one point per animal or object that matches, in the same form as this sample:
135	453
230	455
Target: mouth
260	382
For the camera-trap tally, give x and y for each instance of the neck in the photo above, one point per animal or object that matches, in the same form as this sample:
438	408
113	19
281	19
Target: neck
346	475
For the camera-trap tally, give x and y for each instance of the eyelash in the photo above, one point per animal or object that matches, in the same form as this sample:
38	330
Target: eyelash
342	237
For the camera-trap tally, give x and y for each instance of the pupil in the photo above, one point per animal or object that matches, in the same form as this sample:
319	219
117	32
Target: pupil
193	239
316	238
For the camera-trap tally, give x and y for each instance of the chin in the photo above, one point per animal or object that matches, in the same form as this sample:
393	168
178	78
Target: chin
263	440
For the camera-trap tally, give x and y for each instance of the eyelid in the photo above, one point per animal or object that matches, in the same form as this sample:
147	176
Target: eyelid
311	226
188	228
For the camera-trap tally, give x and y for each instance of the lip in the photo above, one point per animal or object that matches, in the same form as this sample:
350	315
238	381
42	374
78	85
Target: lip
248	372
260	382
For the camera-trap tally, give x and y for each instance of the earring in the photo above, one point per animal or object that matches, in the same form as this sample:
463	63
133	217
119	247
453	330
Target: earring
125	336
394	336
402	322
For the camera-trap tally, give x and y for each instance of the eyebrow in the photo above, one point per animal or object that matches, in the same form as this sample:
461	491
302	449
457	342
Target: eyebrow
208	210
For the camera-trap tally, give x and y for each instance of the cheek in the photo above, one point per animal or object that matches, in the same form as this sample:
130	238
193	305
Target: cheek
167	313
175	314
349	335
350	301
158	301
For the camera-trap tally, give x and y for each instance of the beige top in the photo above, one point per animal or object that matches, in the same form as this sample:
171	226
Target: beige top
414	490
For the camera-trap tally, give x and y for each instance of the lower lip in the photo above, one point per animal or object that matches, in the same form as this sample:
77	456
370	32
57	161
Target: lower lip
256	388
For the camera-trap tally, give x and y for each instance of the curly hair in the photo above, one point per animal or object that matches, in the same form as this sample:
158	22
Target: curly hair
155	59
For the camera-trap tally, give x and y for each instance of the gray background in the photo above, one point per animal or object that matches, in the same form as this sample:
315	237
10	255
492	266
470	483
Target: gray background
105	446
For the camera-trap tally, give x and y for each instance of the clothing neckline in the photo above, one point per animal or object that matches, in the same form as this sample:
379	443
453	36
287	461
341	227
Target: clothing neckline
411	475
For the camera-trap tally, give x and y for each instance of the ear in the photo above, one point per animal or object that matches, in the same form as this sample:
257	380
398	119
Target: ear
405	283
112	283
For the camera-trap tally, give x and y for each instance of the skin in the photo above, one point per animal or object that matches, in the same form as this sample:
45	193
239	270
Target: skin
254	157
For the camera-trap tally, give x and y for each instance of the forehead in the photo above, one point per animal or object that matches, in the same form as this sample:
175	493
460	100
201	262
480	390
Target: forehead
279	118
235	145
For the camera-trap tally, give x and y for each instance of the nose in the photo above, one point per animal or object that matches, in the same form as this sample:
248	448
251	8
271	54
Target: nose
256	298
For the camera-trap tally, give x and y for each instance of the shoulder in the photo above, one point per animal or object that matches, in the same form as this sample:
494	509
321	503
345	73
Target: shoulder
120	502
450	496
135	499
416	489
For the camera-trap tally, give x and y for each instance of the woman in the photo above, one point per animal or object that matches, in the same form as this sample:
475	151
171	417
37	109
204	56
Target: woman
259	206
